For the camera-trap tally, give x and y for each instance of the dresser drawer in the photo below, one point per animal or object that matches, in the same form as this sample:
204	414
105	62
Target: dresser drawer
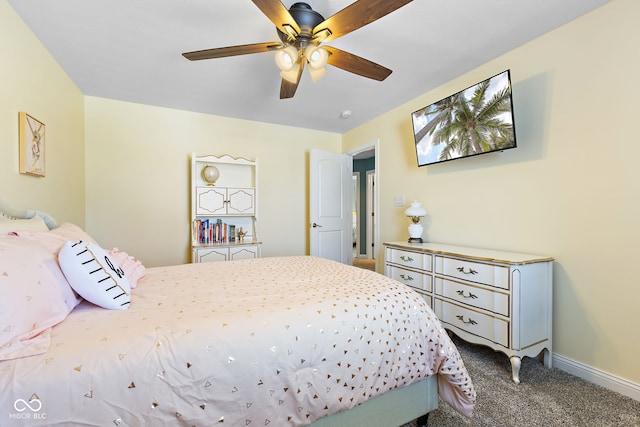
487	274
473	322
411	278
409	259
473	296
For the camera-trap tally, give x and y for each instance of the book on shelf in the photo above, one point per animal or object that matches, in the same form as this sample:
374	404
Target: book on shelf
208	232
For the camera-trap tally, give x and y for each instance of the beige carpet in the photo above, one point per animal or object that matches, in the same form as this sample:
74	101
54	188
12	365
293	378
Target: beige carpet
369	264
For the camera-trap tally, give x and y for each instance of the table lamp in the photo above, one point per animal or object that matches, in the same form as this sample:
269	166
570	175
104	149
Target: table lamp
415	212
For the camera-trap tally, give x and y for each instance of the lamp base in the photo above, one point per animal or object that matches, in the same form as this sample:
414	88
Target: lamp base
415	240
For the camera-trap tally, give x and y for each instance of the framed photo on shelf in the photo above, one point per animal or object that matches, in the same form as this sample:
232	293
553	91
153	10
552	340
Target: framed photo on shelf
32	145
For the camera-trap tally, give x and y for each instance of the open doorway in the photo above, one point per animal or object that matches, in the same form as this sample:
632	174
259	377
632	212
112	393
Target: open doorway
365	227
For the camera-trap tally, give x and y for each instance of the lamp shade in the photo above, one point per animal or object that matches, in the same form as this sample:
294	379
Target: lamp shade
292	74
415	210
316	56
317	74
287	58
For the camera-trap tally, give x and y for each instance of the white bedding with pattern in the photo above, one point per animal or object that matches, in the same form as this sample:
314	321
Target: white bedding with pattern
274	341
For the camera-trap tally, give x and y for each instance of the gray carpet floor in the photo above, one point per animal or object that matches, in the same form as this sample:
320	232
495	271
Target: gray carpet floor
545	397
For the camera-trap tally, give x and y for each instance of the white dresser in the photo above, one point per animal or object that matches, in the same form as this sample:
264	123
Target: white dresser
499	299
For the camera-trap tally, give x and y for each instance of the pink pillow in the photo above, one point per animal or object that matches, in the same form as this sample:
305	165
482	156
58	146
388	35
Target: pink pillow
67	232
133	268
35	297
56	238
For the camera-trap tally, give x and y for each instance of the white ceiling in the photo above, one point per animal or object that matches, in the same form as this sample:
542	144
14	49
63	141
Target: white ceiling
131	51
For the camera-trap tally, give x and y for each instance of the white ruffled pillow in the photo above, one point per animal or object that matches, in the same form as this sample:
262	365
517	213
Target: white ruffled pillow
94	275
56	238
133	268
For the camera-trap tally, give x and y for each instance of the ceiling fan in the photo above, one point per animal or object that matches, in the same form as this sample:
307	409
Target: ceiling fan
301	30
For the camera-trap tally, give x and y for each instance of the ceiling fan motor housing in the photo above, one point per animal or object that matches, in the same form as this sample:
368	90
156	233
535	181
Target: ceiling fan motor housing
307	19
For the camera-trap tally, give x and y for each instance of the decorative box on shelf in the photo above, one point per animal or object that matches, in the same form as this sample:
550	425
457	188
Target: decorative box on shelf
224	208
499	299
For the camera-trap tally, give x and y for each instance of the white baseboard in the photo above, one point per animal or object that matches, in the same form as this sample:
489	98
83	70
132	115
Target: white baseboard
604	379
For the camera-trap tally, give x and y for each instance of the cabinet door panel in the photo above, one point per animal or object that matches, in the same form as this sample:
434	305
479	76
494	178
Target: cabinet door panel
210	201
211	254
241	201
243	252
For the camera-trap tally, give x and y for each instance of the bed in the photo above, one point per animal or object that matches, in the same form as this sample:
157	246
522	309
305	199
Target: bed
281	341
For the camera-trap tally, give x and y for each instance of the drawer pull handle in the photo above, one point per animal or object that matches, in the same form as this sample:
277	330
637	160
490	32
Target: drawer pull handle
406	277
406	258
469	322
471	271
461	293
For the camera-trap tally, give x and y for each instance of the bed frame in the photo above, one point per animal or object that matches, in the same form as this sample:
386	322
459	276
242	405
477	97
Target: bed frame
393	408
13	213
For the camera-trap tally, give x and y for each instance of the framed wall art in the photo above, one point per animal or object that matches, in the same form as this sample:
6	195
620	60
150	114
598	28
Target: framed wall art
32	145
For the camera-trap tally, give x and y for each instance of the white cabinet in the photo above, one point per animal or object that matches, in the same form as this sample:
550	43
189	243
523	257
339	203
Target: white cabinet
225	253
224	213
225	201
499	299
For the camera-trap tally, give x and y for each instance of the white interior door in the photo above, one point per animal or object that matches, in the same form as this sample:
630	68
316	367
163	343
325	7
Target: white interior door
371	214
330	201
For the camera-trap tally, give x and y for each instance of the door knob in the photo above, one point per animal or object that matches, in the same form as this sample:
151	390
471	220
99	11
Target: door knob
314	225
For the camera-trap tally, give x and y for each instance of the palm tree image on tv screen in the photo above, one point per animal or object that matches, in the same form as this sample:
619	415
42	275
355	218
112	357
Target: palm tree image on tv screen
474	121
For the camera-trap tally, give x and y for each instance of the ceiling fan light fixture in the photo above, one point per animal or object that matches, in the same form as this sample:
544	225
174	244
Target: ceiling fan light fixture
317	74
291	75
287	58
316	56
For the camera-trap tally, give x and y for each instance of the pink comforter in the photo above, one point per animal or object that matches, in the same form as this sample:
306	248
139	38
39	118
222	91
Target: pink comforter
272	341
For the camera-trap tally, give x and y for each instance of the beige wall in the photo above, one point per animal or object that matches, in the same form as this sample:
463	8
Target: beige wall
570	190
138	176
31	81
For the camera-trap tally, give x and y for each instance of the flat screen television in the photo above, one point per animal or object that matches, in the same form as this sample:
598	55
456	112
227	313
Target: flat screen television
476	120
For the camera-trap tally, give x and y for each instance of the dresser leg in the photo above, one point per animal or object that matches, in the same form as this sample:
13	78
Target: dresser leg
546	358
515	368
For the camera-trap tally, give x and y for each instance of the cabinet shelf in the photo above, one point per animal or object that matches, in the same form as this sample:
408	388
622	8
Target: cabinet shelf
209	245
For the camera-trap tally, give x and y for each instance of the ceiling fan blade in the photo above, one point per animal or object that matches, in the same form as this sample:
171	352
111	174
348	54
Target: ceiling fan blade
278	14
288	89
356	64
222	52
356	15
